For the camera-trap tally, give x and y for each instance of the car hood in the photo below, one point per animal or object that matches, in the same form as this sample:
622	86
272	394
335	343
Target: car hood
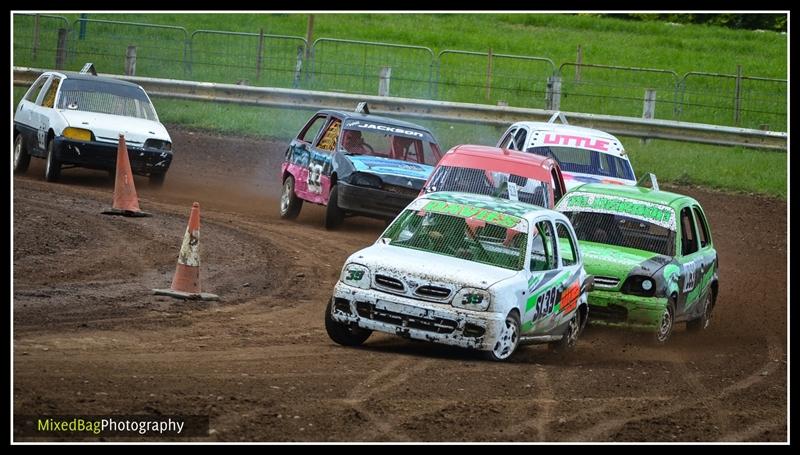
576	179
387	166
107	127
617	262
420	268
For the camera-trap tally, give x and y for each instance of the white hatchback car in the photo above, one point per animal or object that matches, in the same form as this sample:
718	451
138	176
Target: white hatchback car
74	119
585	155
466	270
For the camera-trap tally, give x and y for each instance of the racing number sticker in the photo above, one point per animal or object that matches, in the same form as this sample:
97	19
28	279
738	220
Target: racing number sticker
314	181
690	270
545	303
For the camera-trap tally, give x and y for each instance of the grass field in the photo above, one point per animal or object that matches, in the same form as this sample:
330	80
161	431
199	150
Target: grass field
556	36
416	73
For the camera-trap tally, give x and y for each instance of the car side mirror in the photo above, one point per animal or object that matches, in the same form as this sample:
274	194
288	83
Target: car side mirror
303	146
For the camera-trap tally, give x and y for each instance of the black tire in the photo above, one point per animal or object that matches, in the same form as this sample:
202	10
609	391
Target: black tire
333	214
701	323
22	159
157	180
290	204
570	339
344	334
666	325
508	341
52	168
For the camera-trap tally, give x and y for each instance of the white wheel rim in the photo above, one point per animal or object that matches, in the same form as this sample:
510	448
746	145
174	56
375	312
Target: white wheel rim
47	166
572	336
507	341
285	196
17	152
666	325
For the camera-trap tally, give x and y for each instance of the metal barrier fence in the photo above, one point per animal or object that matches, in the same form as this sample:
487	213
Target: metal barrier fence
160	49
349	66
727	99
36	38
366	67
617	90
493	78
246	58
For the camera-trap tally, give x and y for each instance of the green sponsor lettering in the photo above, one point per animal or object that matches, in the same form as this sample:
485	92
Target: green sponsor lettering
468	211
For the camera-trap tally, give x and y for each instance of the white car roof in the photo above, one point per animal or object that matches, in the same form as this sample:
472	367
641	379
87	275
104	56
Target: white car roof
616	148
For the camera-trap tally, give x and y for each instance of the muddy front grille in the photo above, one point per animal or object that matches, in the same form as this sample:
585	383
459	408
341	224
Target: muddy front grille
389	283
610	313
606	282
405	191
437	325
433	292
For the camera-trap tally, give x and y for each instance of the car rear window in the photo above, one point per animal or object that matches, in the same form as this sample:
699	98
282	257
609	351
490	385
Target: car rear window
584	161
490	183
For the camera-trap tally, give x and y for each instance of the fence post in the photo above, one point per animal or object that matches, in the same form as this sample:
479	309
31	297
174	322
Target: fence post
260	52
737	100
649	111
35	36
298	67
385	78
82	30
61	48
578	63
553	94
489	77
130	61
309	34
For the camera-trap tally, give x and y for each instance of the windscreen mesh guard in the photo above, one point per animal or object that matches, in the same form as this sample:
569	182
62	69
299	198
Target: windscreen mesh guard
490	183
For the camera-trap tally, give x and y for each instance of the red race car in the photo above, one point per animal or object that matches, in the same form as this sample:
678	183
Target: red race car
499	172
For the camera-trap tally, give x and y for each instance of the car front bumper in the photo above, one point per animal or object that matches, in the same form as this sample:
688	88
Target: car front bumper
614	308
101	155
410	318
373	202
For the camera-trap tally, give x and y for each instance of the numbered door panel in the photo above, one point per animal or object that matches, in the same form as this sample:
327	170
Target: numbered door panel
545	281
311	158
696	265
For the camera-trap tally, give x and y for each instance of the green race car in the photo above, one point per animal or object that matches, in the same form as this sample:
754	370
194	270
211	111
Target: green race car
651	255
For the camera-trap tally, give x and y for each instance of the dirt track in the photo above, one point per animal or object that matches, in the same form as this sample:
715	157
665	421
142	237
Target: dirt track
89	338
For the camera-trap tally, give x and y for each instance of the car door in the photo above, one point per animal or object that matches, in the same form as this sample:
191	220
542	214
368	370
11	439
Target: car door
316	182
569	290
25	113
545	276
690	258
707	257
43	110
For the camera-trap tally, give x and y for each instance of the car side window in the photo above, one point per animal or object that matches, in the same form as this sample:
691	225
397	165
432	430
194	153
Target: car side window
519	139
310	132
556	185
542	249
688	238
507	138
703	227
33	92
50	97
328	140
566	245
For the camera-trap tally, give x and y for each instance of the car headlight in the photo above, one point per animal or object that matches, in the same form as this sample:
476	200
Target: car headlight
472	299
639	285
158	144
355	275
78	134
363	179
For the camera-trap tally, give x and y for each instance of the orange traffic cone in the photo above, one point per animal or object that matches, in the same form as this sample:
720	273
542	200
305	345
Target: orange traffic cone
186	282
126	202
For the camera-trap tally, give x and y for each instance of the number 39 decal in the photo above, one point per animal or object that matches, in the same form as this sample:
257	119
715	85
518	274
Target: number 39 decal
545	303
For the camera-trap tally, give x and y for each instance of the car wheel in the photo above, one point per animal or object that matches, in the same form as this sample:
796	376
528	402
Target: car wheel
290	203
507	340
333	214
568	342
704	320
52	169
344	334
157	180
665	326
21	157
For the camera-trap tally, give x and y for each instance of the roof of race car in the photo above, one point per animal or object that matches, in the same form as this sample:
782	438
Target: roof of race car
545	126
347	115
505	206
499	159
636	192
89	77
